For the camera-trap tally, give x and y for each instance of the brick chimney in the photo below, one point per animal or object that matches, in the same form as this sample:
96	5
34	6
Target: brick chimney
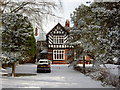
67	23
36	31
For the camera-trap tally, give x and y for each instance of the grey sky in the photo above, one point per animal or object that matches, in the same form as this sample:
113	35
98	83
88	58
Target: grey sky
68	7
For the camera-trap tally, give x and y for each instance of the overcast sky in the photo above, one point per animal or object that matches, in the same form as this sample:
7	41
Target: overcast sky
68	7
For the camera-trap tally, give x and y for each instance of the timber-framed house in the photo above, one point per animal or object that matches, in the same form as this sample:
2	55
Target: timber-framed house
57	47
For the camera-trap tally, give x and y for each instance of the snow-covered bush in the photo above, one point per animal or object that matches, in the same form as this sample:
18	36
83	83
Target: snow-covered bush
111	80
104	76
99	74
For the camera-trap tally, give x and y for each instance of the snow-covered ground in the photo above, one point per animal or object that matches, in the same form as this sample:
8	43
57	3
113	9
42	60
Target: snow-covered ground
60	77
0	80
87	65
112	69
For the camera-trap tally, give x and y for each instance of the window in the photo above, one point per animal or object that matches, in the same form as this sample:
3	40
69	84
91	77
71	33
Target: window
58	54
58	39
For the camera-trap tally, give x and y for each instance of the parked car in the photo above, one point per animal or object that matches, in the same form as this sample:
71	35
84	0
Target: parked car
43	65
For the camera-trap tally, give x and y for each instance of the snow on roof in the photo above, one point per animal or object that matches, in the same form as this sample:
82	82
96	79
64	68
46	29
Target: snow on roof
41	36
44	51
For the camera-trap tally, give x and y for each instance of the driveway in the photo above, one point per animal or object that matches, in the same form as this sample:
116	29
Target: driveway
60	77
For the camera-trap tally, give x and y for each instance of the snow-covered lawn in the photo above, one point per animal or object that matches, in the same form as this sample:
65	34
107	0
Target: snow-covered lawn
108	75
87	65
60	77
113	69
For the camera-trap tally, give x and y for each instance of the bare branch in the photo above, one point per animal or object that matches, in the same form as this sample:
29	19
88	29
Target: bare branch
4	4
19	7
36	11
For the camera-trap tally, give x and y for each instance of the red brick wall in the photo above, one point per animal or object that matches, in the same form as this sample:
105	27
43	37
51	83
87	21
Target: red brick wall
66	57
59	62
50	55
87	60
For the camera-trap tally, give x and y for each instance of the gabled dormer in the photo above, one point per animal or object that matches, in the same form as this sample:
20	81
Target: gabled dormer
57	37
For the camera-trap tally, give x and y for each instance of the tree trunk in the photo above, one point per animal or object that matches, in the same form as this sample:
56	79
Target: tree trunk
84	64
0	64
13	69
118	76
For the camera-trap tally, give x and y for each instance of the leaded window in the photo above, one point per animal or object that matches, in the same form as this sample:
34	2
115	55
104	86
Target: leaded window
58	54
58	39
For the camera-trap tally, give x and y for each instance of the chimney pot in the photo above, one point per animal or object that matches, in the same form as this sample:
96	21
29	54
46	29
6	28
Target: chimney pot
67	23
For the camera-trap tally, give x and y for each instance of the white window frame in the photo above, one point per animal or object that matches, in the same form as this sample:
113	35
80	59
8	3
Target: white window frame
58	39
58	54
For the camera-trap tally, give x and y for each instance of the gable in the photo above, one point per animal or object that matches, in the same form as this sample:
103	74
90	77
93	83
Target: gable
57	37
58	30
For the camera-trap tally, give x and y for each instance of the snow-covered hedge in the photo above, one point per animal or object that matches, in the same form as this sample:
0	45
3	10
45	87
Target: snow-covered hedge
99	74
111	80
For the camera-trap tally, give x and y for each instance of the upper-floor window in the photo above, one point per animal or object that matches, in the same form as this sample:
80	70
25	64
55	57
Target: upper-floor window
58	39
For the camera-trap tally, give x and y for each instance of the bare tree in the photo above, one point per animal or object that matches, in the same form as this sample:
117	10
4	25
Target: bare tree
35	10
